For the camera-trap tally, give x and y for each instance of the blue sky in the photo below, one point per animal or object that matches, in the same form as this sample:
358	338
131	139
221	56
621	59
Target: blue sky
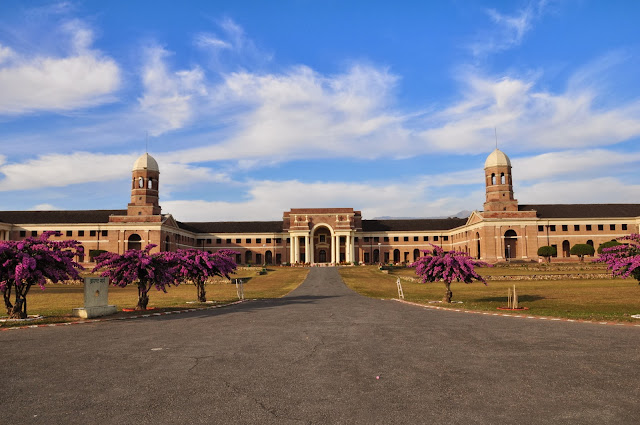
252	108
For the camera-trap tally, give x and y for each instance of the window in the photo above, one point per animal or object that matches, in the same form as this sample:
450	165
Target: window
34	233
552	228
588	226
278	240
228	241
218	241
565	228
406	238
268	240
69	232
288	240
238	240
386	238
366	238
258	240
446	238
416	238
576	227
395	239
323	238
92	232
23	233
612	227
355	239
376	239
248	240
425	238
540	228
435	239
624	227
600	226
208	241
556	250
80	232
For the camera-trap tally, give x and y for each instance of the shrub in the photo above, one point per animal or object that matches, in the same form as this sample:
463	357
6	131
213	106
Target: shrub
608	244
582	249
547	252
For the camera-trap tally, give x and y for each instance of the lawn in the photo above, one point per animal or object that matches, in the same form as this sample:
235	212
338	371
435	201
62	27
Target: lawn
57	300
589	299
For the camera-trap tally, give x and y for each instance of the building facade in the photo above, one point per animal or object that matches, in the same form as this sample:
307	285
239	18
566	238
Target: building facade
503	231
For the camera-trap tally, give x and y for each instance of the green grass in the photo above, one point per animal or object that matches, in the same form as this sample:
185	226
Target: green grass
589	299
58	300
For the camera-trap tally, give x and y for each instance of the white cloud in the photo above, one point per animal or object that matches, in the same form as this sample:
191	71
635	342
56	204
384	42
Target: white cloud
210	40
44	207
169	96
597	190
81	79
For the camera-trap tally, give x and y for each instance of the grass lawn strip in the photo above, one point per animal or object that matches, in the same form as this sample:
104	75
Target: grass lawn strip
589	299
58	300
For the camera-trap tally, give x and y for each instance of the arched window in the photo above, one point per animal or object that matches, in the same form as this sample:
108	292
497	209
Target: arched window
150	184
268	257
140	182
416	254
376	256
493	178
501	178
396	255
134	242
248	256
566	249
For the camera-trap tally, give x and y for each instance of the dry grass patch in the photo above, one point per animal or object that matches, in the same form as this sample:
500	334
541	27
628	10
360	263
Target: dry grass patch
597	299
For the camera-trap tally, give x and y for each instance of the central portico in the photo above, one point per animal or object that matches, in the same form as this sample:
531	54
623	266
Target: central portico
322	235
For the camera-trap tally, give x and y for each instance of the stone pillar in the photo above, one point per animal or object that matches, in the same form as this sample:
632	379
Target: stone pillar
347	248
307	256
333	250
312	250
291	249
352	252
337	249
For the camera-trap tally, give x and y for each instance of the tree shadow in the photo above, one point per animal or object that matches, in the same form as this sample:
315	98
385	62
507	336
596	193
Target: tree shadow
521	298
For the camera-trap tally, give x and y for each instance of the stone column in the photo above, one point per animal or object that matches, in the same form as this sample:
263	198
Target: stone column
347	248
312	250
291	249
307	257
337	249
353	249
333	249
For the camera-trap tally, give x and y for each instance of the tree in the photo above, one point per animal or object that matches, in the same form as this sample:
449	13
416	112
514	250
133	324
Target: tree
35	261
607	244
198	266
623	259
140	267
547	252
582	249
438	265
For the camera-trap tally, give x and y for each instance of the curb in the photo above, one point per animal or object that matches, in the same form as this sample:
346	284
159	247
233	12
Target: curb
521	316
107	319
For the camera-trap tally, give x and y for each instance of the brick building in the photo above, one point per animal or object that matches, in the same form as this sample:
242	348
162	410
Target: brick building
504	230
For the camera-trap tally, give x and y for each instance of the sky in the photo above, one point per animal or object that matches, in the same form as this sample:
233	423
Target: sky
252	108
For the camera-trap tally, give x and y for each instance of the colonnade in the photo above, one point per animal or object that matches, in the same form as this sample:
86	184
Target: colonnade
309	249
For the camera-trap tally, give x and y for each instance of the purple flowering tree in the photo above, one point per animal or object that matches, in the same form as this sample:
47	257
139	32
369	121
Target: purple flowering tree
197	266
142	268
35	261
448	267
623	260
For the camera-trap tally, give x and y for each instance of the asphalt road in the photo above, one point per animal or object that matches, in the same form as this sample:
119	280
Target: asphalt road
313	357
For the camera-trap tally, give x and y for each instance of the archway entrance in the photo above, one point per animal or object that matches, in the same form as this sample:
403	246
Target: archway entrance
566	249
268	257
510	244
321	244
134	242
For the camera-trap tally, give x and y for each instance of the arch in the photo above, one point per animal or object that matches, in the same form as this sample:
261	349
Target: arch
150	183
566	248
510	244
416	254
493	178
134	242
396	255
502	178
141	182
315	250
248	257
376	255
268	257
590	242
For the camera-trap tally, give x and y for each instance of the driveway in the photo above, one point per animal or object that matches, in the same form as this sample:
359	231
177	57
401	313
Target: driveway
322	354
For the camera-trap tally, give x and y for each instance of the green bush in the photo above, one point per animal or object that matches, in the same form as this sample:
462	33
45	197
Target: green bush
547	252
582	249
608	244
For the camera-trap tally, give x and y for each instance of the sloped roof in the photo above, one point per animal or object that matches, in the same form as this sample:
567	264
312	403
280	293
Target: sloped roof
233	226
417	224
583	210
59	217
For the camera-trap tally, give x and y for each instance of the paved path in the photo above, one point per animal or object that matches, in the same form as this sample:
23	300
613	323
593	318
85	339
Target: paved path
313	357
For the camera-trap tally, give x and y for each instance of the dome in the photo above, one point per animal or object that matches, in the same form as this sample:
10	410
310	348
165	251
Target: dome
146	162
497	158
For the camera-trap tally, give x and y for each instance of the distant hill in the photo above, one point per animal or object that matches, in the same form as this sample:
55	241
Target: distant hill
461	214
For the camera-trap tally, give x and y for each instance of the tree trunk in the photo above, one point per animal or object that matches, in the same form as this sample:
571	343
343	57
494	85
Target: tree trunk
448	295
19	308
202	295
143	297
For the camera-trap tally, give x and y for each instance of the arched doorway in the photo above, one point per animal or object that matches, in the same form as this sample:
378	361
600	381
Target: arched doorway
134	242
321	241
396	255
510	244
268	257
416	254
248	257
376	256
478	245
566	249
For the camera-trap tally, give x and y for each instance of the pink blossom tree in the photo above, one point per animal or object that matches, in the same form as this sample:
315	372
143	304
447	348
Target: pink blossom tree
623	260
142	268
439	265
197	266
35	261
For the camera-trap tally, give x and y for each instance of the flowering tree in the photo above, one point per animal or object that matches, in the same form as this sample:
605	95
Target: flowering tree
624	259
35	261
448	267
197	266
140	267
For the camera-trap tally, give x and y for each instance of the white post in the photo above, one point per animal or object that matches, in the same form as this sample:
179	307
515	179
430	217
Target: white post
333	250
291	250
296	249
312	254
307	257
337	249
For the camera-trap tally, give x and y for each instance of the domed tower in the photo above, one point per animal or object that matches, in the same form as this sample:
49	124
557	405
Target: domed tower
144	187
497	171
